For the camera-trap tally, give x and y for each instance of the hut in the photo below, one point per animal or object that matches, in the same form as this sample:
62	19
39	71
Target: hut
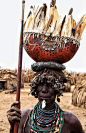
2	84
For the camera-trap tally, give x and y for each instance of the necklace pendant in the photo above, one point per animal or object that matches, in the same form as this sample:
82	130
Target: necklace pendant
43	104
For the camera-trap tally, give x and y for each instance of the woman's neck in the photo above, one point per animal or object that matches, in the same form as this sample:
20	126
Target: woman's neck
48	106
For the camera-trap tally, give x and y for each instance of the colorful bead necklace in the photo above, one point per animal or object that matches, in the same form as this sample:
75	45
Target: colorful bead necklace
43	117
55	121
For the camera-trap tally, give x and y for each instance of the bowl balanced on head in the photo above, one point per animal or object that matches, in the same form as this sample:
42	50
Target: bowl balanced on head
48	37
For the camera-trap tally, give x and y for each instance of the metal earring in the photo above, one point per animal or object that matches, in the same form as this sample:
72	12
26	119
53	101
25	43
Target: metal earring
58	99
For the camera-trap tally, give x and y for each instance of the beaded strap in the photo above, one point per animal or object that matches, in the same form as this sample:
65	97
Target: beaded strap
26	121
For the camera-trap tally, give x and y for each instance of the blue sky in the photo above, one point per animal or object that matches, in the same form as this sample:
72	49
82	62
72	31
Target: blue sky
10	25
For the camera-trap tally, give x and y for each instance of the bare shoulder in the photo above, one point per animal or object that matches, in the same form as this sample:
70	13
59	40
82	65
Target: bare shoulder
24	116
72	121
25	113
70	118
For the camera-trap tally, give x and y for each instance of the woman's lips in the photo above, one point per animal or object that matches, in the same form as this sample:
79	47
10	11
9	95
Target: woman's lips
44	98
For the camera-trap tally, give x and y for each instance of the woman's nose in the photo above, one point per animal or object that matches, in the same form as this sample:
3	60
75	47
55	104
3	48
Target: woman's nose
44	89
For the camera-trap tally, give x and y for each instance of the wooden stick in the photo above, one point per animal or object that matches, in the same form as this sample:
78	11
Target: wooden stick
19	67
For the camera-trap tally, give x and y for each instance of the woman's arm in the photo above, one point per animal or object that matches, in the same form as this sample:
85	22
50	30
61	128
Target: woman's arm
73	123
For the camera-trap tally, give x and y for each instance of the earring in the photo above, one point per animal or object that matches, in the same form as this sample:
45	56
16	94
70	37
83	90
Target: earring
58	99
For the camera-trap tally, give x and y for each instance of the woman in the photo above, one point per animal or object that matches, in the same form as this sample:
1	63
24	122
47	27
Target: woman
46	117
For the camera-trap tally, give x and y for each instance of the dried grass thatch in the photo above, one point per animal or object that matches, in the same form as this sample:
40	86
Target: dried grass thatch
77	85
79	93
10	76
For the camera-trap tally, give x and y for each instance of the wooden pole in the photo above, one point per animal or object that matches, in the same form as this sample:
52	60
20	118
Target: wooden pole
19	66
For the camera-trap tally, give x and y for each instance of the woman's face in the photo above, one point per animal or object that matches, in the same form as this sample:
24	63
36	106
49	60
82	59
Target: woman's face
45	92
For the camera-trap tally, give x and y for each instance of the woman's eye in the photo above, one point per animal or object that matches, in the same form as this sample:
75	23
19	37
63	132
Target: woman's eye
49	85
41	83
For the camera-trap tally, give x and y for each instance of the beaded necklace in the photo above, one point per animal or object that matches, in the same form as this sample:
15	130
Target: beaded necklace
55	121
43	117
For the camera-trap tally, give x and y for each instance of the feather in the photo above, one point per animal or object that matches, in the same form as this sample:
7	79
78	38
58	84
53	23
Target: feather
53	12
29	14
53	28
67	28
73	27
37	18
28	23
44	9
30	20
80	27
62	24
54	31
48	24
58	25
73	24
42	18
